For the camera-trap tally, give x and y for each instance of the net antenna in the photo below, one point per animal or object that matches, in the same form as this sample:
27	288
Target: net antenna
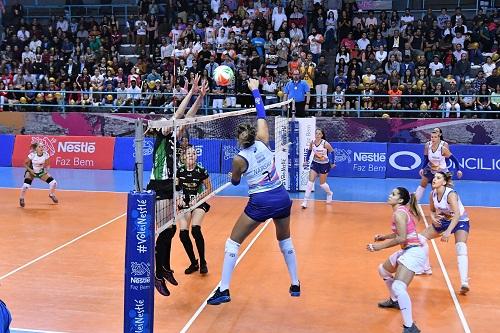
139	156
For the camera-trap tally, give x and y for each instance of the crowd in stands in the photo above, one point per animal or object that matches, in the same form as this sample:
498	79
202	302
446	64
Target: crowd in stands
350	59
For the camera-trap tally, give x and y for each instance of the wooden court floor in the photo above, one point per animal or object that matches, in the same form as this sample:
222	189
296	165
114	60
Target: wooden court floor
61	269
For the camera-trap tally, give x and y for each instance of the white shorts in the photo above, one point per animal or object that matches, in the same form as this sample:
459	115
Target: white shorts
412	258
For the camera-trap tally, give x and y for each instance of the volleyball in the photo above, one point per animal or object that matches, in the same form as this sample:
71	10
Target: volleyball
223	75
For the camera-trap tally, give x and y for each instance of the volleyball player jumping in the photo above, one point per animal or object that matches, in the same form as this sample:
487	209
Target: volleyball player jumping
405	262
162	182
37	165
268	199
448	217
323	161
195	184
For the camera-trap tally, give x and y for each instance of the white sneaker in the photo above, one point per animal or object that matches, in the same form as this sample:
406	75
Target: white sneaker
464	289
304	204
427	271
329	197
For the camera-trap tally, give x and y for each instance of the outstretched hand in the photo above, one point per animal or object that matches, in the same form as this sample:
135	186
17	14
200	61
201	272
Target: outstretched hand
204	88
253	84
194	88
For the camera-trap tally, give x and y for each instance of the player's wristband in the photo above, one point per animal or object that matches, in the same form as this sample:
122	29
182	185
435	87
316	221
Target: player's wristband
454	159
261	112
331	156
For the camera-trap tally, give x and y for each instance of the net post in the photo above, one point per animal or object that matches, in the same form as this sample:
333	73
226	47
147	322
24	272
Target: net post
293	157
139	156
138	315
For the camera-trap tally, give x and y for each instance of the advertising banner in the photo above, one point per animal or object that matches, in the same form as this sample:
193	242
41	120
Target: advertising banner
477	162
281	150
404	160
307	128
139	265
355	159
124	154
6	150
71	152
208	152
229	148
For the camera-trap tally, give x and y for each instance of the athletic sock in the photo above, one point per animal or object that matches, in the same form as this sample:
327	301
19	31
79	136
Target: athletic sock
309	188
200	242
163	247
188	245
286	247
230	258
24	189
401	292
463	262
326	188
419	192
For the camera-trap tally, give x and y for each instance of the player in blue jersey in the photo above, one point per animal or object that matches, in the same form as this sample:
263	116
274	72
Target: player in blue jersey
268	199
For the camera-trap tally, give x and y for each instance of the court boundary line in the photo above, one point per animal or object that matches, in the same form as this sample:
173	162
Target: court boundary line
190	322
224	196
74	240
442	266
13	330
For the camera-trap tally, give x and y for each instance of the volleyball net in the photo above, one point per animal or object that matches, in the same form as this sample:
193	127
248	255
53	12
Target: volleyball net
196	153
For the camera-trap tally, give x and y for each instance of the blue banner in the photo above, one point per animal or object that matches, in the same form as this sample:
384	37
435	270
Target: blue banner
139	263
355	159
6	150
229	148
477	162
404	160
208	151
124	156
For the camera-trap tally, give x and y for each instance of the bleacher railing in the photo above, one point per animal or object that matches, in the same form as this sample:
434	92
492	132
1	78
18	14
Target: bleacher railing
127	102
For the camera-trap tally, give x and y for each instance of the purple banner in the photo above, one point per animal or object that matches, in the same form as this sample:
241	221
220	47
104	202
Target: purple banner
394	130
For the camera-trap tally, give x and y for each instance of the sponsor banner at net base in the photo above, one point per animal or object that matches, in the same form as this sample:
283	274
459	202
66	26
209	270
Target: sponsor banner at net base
71	152
124	155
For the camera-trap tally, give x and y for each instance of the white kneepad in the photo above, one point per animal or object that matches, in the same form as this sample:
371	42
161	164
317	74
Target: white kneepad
399	287
286	246
384	274
461	248
232	247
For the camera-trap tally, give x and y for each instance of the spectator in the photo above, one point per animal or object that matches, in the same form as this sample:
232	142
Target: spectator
452	101
298	89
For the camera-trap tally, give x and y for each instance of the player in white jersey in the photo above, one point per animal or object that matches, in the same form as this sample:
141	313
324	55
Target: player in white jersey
268	199
405	262
436	152
37	165
323	160
448	217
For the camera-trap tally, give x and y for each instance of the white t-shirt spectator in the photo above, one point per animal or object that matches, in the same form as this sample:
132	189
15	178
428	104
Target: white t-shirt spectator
269	88
371	20
458	54
63	25
296	32
433	66
140	27
278	20
363	43
34	44
251	12
215	5
457	40
407	19
488	69
314	46
134	93
226	15
23	35
28	55
380	56
166	50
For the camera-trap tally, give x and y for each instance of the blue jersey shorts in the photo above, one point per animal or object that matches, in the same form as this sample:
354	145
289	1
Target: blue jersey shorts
429	173
5	318
321	168
461	225
273	204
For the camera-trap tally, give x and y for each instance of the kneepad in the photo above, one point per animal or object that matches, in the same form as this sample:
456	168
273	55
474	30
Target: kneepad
461	248
286	246
399	287
49	180
232	247
28	181
384	274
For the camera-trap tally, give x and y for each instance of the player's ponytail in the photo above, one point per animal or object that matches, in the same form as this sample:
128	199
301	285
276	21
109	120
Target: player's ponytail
447	177
410	199
414	206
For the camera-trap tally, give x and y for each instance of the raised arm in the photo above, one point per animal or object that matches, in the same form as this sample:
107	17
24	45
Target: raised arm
179	113
262	127
199	100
